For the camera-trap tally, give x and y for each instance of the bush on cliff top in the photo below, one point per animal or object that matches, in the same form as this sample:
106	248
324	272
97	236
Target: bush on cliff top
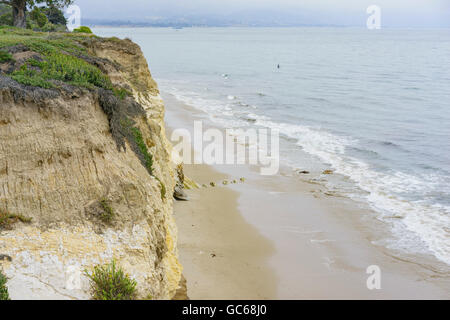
39	17
109	282
82	29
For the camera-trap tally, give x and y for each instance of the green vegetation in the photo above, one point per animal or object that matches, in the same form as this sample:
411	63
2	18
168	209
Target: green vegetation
109	282
20	8
162	187
4	295
127	128
36	15
62	67
61	60
148	159
42	42
5	56
7	220
121	93
82	29
55	15
107	212
6	16
47	19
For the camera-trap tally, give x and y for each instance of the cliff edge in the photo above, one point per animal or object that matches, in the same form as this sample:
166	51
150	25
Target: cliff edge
85	169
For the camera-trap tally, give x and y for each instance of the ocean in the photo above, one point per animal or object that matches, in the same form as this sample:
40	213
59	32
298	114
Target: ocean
371	105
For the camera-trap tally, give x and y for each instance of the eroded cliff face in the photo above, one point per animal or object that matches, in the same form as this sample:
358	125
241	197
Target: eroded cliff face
59	159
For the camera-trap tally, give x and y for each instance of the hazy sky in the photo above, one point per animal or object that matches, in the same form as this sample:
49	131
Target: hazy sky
413	13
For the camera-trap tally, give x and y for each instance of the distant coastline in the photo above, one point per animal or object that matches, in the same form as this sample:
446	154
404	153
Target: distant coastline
99	23
180	25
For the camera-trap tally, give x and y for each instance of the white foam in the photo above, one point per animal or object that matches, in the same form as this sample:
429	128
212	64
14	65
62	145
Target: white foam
428	223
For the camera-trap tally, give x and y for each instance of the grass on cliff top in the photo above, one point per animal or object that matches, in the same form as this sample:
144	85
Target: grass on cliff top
5	56
109	282
62	67
60	59
42	42
4	295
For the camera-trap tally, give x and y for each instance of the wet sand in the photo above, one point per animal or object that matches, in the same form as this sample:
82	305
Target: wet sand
223	256
279	237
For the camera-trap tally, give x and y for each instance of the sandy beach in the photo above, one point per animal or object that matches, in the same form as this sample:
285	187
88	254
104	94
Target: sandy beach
282	237
216	244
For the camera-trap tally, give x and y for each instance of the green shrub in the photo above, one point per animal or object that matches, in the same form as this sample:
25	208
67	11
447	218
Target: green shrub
82	29
38	17
109	282
121	93
5	56
32	25
108	213
4	295
50	27
55	15
148	159
6	19
31	77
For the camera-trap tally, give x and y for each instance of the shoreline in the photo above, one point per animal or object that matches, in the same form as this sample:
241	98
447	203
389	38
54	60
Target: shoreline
312	245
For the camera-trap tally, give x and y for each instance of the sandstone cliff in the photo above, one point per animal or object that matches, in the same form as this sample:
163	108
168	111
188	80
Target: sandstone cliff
64	154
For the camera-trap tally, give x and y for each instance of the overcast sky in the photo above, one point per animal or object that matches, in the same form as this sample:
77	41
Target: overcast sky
395	13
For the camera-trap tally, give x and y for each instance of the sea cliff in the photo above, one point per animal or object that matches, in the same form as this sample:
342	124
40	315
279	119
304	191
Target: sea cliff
85	170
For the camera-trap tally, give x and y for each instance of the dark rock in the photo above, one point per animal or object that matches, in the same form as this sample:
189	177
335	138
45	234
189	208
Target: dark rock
4	257
21	92
180	194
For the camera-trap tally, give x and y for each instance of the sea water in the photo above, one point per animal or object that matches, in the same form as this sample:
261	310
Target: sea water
372	105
